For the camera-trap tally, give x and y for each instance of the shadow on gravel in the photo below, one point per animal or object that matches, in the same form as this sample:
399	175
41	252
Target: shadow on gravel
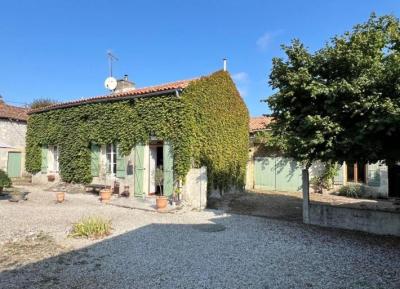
230	252
275	205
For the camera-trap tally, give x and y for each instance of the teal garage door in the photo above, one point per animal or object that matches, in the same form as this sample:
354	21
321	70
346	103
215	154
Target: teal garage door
277	173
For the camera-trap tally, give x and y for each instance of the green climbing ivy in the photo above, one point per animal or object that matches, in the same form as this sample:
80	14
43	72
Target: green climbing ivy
207	125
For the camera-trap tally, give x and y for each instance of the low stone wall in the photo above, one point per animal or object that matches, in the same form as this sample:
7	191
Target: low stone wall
194	190
372	221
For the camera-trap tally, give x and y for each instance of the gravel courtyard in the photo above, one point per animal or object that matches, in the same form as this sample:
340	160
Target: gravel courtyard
188	249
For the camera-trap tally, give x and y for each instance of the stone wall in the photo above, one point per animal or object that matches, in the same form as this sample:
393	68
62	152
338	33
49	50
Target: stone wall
194	191
12	133
372	221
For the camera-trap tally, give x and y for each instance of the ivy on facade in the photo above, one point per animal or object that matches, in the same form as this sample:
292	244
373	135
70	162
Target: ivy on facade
206	125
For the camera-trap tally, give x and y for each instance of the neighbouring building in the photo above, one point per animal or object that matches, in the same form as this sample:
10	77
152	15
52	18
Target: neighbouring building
269	171
126	136
13	121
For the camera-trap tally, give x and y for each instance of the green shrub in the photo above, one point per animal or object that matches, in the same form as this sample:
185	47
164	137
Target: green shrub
5	181
41	103
351	191
91	228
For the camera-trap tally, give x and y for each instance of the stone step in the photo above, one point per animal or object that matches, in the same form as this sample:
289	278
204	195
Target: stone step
24	180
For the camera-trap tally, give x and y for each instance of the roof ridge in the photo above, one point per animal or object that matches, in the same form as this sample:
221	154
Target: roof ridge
178	84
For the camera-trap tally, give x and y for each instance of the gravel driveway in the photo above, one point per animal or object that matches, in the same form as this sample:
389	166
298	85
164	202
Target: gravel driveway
207	249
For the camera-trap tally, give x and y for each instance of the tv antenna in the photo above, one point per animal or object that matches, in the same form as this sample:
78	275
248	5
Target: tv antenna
111	58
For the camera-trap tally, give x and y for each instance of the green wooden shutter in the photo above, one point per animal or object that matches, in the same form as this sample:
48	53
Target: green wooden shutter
374	175
139	170
44	159
168	169
338	179
95	160
121	168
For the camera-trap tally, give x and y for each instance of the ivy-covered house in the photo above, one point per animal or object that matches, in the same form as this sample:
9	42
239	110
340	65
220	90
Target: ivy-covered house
126	135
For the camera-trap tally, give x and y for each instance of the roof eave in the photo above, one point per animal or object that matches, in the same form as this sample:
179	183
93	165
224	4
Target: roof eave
174	91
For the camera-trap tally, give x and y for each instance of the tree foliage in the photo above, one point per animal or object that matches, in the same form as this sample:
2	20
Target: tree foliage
206	125
341	102
41	103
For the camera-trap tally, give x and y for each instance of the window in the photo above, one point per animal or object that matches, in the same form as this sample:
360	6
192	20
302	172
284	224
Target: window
356	173
55	153
111	154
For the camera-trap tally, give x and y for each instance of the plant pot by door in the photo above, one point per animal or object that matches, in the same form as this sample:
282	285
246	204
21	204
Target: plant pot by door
105	195
161	202
60	196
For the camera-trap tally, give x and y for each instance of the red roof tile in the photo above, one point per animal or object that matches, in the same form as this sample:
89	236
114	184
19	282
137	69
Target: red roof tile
119	95
259	123
13	112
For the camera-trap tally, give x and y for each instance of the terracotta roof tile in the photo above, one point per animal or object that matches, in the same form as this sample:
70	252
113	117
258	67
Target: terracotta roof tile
119	95
259	123
13	112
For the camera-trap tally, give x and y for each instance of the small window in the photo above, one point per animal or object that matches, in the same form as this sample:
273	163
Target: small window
111	154
356	173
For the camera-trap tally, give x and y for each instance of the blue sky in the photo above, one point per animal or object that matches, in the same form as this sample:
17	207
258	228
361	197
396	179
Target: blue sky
57	49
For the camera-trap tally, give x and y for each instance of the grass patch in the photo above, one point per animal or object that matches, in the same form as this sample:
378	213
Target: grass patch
91	228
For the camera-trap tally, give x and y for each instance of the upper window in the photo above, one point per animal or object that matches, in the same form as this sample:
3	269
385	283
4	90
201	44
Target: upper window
111	153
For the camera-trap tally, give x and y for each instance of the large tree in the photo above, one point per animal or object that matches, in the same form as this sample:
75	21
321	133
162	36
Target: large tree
341	102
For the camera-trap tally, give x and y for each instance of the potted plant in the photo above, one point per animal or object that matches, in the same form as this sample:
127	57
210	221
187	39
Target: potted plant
60	196
105	194
5	181
161	200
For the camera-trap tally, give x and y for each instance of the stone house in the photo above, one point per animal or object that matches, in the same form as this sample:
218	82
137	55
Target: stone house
13	122
161	142
265	170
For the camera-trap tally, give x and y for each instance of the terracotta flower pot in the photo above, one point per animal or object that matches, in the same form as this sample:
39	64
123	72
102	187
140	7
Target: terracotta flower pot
161	202
60	196
105	195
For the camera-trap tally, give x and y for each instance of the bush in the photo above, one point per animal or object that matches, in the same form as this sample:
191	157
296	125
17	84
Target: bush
91	228
5	181
351	191
41	103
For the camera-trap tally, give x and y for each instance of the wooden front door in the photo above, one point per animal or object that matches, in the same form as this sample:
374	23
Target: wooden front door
14	164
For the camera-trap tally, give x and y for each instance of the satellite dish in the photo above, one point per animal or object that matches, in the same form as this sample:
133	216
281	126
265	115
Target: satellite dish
110	83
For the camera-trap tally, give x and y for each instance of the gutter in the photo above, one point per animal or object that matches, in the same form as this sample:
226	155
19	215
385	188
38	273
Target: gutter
109	98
